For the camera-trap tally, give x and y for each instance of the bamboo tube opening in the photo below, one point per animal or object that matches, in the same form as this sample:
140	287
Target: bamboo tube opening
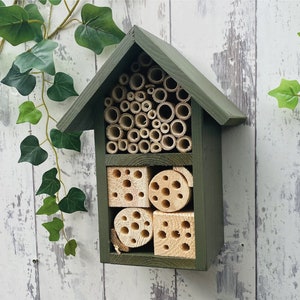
184	144
164	128
133	135
156	75
130	96
119	93
114	132
168	142
135	67
135	107
155	135
146	105
170	84
140	96
111	147
124	105
145	60
160	95
183	111
108	101
178	128
141	120
155	147
182	95
126	121
151	114
124	79
144	146
132	148
156	123
137	81
122	144
111	114
165	112
144	133
150	90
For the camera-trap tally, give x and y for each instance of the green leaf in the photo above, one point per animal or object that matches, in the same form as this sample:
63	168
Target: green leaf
23	82
34	14
16	25
2	3
62	87
74	201
98	29
50	184
55	2
49	207
31	151
43	1
39	57
28	113
54	227
66	140
287	93
70	247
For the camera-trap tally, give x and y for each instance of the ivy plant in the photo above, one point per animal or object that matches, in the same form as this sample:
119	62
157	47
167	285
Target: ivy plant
35	69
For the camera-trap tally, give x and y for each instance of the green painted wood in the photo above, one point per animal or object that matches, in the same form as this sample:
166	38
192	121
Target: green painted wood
80	115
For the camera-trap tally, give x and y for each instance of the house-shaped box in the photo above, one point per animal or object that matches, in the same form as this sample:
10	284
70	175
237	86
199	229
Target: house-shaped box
157	123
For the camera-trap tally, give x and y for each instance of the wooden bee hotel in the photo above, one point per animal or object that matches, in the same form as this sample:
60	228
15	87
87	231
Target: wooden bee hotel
157	123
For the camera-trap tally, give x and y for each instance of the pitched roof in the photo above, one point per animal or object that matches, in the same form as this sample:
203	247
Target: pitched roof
80	115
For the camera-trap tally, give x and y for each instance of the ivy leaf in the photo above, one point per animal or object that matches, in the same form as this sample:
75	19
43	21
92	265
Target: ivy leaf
55	2
66	140
23	82
31	151
74	201
34	14
40	57
62	87
70	247
16	25
50	184
54	227
286	93
49	207
28	113
98	29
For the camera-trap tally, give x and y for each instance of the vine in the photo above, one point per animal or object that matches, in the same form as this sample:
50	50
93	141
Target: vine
23	23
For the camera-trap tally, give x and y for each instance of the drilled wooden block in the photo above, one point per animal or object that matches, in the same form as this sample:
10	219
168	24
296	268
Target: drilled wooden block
134	226
174	234
128	186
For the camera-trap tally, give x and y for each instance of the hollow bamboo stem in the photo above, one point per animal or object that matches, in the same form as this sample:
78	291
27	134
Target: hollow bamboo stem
183	111
168	142
178	128
165	112
184	144
111	114
137	81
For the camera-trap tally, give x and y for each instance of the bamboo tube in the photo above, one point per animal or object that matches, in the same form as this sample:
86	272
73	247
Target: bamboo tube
183	111
111	114
130	96
156	123
137	81
124	105
124	79
135	67
108	101
155	135
170	85
182	95
126	121
144	133
146	105
168	142
132	148
111	147
156	74
141	120
184	144
140	96
144	146
133	135
150	89
155	147
151	114
145	60
165	112
119	93
178	128
114	132
122	144
135	107
164	128
159	95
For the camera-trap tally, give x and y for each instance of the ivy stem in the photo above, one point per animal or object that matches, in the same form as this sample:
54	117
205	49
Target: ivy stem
63	23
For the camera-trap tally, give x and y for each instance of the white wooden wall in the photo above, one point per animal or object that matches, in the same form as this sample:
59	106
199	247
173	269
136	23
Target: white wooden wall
244	47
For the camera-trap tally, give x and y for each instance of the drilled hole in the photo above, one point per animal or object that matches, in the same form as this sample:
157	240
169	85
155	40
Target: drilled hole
188	235
162	234
136	215
133	241
124	218
128	197
166	247
185	247
138	174
141	194
127	183
176	184
116	173
154	186
145	233
180	196
135	226
124	230
115	194
185	224
147	223
154	198
127	171
165	191
165	177
175	234
165	223
165	203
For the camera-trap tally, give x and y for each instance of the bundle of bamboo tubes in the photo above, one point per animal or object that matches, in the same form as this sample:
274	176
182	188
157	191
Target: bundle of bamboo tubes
147	111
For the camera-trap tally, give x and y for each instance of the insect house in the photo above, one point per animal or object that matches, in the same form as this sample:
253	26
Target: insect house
157	123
